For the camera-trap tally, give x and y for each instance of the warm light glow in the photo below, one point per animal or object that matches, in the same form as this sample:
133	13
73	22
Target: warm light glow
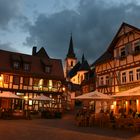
112	107
26	97
40	82
50	84
126	102
30	102
63	88
114	103
1	78
137	101
116	89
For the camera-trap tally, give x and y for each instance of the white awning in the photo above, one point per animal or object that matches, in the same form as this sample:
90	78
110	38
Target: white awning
131	92
41	98
8	94
95	95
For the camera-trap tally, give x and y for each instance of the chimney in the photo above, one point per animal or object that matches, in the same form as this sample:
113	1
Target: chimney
34	50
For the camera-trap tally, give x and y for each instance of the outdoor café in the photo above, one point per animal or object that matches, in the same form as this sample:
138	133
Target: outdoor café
117	111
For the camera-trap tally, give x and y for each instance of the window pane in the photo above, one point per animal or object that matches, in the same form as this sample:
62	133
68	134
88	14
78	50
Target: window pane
35	82
16	80
47	69
6	79
25	81
26	67
16	65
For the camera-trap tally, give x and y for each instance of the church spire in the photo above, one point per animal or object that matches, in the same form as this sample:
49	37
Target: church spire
83	58
71	53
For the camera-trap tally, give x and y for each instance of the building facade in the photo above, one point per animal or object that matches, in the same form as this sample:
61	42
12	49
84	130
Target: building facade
118	69
30	75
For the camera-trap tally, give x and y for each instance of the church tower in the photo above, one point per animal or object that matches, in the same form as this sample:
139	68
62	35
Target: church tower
70	60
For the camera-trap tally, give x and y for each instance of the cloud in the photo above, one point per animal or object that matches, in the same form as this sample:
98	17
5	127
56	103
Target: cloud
8	11
11	14
7	46
93	26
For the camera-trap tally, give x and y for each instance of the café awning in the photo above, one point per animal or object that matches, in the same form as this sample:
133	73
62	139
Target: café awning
129	93
41	98
95	95
8	94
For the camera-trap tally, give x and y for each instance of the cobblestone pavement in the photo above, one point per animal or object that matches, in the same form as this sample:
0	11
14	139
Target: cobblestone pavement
59	129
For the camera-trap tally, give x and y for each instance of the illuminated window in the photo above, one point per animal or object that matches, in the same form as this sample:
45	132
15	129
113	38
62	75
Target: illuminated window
35	81
16	80
6	79
26	67
26	81
30	102
138	74
124	77
16	65
130	76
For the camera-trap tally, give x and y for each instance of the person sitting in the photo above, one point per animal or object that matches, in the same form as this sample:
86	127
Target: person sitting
112	118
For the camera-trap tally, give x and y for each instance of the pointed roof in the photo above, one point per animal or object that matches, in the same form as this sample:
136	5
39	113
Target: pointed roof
83	58
71	53
108	54
42	53
84	66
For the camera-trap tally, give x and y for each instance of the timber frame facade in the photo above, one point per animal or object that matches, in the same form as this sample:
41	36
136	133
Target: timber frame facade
30	75
118	69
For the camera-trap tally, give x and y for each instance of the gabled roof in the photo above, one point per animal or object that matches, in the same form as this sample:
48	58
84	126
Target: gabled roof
71	53
108	54
42	53
36	68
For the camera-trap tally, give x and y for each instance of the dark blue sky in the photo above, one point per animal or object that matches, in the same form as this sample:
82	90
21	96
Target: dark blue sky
49	24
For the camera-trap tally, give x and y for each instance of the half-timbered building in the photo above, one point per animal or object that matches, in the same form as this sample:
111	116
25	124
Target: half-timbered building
118	69
30	75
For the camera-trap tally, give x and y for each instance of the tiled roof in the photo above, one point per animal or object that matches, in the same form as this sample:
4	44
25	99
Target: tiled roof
36	65
108	55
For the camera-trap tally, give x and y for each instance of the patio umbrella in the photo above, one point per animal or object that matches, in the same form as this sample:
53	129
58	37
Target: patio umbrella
95	95
41	98
8	94
131	92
